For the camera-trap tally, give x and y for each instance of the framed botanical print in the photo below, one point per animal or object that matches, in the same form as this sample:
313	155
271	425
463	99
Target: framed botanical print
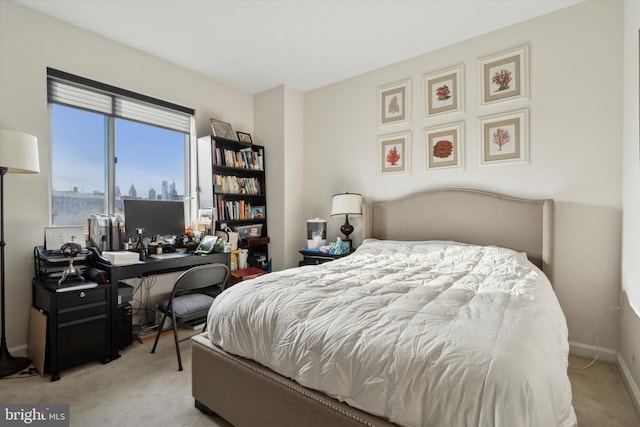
394	103
394	153
444	147
443	91
505	137
504	76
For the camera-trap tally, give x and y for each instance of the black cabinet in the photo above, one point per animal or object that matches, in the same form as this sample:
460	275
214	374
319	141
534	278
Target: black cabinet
78	326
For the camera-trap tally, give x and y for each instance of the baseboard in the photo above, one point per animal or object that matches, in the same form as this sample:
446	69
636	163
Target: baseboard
632	387
589	351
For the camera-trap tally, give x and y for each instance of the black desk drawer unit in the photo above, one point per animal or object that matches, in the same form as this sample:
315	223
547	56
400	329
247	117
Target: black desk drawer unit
78	325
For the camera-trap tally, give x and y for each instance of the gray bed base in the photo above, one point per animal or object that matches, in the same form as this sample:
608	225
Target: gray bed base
249	395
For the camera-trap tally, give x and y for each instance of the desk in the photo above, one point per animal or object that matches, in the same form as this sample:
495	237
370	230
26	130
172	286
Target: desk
150	267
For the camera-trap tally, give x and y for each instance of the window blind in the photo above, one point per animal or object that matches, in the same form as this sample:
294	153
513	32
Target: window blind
74	91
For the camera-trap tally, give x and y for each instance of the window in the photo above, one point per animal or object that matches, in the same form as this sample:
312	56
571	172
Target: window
109	144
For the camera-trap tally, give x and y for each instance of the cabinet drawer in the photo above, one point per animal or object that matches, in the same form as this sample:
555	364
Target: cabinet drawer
85	296
70	314
81	341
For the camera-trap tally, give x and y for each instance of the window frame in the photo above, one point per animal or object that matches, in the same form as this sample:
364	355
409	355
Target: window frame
113	102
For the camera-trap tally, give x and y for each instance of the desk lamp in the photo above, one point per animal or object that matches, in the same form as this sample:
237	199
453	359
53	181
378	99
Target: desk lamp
346	204
18	154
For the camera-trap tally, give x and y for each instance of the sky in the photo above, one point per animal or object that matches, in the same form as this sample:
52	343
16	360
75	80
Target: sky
146	155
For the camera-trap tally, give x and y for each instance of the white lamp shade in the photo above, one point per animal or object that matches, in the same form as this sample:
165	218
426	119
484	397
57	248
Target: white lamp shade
18	152
346	204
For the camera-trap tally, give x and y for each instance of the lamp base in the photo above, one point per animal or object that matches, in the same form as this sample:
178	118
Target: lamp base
10	365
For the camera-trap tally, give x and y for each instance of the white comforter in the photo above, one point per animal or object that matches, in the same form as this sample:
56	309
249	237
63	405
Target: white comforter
422	333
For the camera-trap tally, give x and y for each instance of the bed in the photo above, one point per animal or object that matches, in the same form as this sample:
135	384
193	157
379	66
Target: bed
443	316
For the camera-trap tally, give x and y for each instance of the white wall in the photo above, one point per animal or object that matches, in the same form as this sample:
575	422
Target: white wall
29	43
630	319
575	156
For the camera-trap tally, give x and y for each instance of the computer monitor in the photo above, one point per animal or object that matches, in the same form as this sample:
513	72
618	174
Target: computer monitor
155	217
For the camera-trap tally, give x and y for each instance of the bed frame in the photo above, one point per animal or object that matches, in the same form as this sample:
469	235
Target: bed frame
247	394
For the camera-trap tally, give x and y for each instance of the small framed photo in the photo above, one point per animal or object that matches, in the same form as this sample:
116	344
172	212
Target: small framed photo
444	147
394	153
257	212
443	91
504	76
505	137
244	137
222	129
394	103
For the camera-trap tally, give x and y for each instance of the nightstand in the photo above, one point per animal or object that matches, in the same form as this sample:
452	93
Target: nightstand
311	257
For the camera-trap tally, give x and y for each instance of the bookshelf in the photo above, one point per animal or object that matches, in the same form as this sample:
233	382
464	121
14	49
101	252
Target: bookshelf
231	180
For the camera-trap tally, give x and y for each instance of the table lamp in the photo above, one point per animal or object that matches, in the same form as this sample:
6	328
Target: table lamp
18	154
346	204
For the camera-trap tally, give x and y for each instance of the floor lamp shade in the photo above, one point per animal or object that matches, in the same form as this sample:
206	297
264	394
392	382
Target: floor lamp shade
346	204
18	154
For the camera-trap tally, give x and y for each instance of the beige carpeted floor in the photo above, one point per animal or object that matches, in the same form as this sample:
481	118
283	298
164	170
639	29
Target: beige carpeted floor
147	389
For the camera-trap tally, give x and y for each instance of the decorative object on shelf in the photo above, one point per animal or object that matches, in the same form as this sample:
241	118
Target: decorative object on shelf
504	76
505	137
18	154
393	153
222	129
443	91
346	204
244	137
257	212
394	103
444	146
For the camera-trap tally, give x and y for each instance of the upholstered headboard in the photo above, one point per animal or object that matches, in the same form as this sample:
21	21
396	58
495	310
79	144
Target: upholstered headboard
468	216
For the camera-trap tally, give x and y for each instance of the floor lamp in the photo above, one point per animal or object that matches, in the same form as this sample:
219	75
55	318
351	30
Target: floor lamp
18	154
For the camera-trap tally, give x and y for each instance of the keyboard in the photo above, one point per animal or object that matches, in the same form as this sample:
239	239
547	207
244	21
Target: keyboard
169	255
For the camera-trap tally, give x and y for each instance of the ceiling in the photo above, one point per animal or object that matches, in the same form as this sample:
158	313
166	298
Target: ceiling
255	45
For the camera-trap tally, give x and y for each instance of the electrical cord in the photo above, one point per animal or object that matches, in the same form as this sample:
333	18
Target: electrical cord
26	373
599	331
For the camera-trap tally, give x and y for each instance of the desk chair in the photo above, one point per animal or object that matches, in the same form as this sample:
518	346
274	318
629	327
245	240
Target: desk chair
191	298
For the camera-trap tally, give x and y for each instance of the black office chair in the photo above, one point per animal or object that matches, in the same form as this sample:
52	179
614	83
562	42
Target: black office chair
191	298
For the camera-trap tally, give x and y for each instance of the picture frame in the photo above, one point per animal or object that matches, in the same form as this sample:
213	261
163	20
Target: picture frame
222	129
504	76
244	137
257	212
394	153
444	91
394	103
505	137
444	146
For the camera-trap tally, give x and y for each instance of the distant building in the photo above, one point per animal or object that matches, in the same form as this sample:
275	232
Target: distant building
132	192
173	195
152	194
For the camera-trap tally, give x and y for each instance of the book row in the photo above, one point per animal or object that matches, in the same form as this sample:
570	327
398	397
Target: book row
230	184
245	158
233	210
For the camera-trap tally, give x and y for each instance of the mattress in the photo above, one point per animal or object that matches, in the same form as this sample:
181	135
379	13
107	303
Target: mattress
419	333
